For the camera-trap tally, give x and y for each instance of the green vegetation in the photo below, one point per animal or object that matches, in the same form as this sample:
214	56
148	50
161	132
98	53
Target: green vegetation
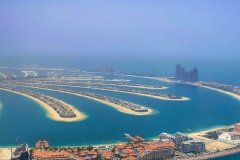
211	135
89	148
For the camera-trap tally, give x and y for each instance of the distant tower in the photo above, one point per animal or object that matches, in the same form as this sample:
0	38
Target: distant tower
178	72
181	74
195	75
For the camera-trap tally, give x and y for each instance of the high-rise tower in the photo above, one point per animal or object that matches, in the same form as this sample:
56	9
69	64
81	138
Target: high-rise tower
181	74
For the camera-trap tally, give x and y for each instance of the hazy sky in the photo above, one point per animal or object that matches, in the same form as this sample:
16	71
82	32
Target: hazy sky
123	27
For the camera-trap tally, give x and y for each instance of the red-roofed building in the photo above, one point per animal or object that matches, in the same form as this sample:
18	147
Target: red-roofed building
51	155
157	150
42	144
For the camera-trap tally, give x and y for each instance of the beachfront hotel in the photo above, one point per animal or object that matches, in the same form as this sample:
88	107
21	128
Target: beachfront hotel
230	138
163	136
193	146
39	154
158	150
236	127
183	75
180	137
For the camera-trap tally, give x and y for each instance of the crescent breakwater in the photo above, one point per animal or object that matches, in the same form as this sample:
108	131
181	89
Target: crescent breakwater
233	91
223	88
57	109
121	105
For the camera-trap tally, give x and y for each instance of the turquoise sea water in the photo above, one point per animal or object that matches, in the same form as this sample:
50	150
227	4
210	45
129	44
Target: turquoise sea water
231	157
23	117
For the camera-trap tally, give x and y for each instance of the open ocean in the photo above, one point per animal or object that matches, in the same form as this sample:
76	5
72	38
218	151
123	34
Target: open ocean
207	109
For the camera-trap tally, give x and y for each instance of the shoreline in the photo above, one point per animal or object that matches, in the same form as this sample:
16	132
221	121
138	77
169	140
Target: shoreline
118	142
25	73
51	113
164	79
139	94
5	153
222	91
142	87
118	107
4	76
57	69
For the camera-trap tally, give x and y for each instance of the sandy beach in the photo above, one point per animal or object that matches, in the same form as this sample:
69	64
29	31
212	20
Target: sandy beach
139	94
35	73
225	92
211	145
145	95
164	79
56	69
25	73
3	75
5	153
118	107
51	113
142	87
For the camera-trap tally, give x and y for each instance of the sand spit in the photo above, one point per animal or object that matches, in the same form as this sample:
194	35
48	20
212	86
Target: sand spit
222	91
164	79
56	69
118	107
4	76
141	87
25	73
29	73
51	113
139	94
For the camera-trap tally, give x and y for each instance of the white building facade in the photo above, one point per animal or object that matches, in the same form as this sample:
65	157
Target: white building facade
230	137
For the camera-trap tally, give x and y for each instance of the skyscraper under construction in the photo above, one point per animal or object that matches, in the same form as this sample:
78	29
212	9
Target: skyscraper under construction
181	74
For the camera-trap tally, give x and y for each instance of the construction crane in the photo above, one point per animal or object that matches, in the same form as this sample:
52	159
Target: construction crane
17	141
